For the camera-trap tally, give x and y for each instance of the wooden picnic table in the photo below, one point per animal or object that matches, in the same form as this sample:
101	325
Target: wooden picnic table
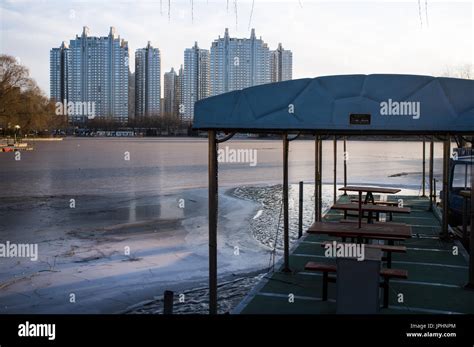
368	196
371	209
380	230
369	191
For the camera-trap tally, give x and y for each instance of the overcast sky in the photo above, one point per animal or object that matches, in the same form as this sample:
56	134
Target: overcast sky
326	37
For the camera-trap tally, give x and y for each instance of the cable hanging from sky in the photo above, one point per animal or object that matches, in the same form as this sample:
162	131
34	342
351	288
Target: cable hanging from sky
426	11
191	2
251	14
236	16
419	12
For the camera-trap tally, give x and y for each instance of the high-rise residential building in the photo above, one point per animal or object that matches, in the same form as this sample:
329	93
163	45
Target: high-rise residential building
195	79
238	63
162	106
281	64
131	95
171	102
98	74
147	81
179	91
59	73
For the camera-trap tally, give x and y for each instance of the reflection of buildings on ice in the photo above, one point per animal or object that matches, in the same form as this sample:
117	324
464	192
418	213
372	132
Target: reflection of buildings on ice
163	209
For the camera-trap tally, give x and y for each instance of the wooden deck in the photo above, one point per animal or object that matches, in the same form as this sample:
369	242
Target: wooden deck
434	285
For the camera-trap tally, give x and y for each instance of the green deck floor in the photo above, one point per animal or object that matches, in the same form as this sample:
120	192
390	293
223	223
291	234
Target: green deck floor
435	275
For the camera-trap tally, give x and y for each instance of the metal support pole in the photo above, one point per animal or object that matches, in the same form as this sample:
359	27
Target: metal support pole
300	211
446	156
168	302
424	168
465	217
212	222
462	143
470	284
335	170
286	230
345	164
360	210
320	191
432	191
316	178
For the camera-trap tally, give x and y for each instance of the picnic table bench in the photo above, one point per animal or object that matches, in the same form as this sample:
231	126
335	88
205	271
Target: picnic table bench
388	249
380	202
378	231
370	208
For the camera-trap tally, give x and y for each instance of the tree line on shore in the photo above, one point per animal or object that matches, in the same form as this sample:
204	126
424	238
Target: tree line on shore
23	105
22	102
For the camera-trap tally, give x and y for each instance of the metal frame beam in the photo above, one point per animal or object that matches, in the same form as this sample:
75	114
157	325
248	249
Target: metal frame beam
446	156
345	163
213	205
320	181
335	170
423	179
286	229
470	284
432	192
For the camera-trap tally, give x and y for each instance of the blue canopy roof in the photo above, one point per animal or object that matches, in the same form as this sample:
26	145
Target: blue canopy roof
379	103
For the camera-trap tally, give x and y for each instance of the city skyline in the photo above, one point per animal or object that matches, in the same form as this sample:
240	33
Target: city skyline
96	70
370	37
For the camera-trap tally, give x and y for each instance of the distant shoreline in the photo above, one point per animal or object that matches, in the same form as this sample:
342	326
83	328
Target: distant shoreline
26	139
43	138
240	137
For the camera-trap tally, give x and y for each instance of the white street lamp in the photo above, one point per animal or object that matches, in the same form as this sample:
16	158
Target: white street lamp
17	127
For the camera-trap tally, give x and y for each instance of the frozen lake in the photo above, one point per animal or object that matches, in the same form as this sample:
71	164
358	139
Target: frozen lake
97	166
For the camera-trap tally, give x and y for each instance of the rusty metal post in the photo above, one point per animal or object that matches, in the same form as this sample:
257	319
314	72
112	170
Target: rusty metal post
320	192
286	229
335	170
213	205
300	211
432	191
316	178
168	302
345	164
470	284
446	156
423	180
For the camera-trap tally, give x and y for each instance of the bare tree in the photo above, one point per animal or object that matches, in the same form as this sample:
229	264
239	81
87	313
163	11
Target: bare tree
465	71
22	102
